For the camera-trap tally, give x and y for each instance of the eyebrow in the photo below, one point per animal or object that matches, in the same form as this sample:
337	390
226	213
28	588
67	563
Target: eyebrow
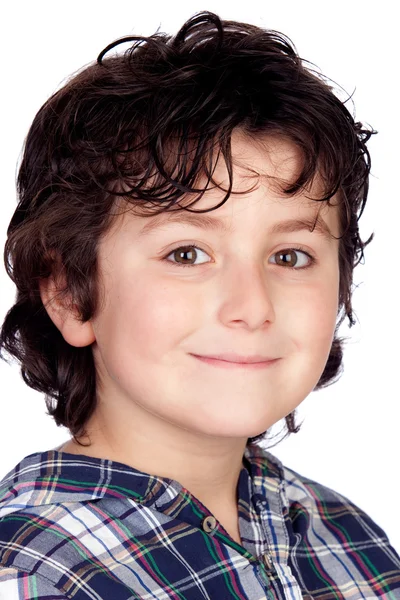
318	225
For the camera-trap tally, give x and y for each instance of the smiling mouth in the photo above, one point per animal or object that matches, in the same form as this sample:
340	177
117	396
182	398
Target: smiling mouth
225	364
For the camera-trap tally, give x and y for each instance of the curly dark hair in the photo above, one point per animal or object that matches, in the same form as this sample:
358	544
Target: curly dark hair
121	130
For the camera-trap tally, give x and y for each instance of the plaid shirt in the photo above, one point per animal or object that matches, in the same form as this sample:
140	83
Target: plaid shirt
89	529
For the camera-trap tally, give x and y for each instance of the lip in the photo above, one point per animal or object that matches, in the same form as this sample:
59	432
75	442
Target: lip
229	361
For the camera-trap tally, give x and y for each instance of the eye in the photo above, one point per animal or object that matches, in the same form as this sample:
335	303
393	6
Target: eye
288	258
185	255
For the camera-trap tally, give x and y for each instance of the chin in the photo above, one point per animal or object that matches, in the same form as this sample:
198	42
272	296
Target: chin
234	430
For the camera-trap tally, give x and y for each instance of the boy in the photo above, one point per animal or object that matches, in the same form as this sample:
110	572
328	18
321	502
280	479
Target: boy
183	251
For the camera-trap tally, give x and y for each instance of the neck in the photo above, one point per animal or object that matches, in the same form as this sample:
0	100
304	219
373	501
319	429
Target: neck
208	467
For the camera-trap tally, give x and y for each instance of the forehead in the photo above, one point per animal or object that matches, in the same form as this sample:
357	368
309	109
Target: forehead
261	169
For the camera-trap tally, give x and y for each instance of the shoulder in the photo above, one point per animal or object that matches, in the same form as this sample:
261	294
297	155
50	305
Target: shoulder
323	502
37	513
300	490
321	517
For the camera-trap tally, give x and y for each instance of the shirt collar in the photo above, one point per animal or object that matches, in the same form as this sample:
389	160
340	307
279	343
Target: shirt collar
82	478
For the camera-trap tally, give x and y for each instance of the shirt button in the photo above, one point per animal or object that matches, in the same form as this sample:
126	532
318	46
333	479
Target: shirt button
209	523
267	561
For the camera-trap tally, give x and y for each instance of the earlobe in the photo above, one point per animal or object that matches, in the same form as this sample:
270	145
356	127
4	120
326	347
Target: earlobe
64	317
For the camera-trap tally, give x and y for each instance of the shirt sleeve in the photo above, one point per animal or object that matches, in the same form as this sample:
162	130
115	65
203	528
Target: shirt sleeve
17	585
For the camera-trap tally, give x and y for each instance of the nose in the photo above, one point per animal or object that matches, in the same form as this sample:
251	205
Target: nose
248	298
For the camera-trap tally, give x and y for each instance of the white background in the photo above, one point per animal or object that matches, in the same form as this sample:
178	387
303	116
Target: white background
350	434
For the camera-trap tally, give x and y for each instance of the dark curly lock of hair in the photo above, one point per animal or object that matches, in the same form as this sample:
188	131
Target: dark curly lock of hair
121	130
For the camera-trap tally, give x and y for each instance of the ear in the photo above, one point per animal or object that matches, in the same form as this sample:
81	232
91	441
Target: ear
64	314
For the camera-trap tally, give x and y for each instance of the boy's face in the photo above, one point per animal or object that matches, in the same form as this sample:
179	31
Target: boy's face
239	297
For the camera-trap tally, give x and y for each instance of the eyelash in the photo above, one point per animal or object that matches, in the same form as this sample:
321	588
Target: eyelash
297	248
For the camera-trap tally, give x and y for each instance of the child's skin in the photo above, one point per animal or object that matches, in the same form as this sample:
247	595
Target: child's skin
162	410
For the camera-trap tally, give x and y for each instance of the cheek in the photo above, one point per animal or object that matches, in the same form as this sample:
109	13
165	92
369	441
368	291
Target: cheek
314	310
144	316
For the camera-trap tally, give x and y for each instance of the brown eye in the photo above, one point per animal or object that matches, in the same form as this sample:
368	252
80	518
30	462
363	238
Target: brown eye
287	258
292	258
185	256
